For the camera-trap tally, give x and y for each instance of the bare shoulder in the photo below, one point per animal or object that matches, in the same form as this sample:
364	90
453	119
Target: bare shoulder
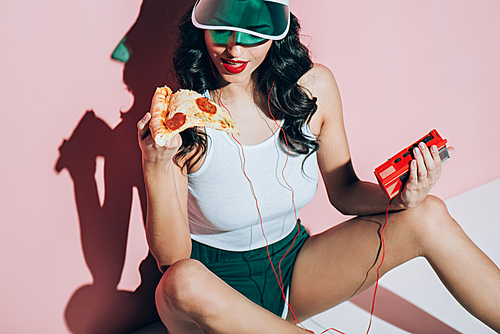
318	78
321	84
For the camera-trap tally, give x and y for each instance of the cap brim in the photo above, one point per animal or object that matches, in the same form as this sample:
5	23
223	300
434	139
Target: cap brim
269	19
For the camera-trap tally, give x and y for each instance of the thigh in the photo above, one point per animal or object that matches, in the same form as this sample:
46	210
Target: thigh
341	262
191	299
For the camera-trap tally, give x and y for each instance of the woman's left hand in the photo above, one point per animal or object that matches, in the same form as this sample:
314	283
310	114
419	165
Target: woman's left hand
425	170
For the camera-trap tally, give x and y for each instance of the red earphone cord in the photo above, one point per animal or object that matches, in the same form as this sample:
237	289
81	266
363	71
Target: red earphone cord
278	276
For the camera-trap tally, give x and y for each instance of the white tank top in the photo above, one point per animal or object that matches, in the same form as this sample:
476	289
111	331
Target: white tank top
222	210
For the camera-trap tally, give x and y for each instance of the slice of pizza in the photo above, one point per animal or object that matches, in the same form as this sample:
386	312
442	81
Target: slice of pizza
174	113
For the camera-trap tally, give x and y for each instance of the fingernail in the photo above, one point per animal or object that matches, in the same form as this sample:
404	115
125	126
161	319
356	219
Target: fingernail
434	148
416	151
422	145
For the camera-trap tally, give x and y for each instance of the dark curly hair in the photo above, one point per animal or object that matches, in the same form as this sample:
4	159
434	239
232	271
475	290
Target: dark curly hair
277	77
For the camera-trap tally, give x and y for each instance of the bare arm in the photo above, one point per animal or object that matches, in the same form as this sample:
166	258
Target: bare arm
167	228
345	190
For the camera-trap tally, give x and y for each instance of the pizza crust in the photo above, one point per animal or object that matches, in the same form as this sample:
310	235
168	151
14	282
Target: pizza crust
159	110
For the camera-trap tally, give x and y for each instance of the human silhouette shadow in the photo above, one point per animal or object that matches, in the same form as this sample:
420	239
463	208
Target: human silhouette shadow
100	307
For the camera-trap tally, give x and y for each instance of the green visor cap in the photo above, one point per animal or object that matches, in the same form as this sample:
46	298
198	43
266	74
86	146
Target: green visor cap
268	19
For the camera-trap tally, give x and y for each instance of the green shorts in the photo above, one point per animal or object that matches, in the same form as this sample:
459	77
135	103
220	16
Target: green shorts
250	272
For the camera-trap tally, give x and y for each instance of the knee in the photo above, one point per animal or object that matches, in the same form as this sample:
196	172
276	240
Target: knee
179	288
431	219
433	208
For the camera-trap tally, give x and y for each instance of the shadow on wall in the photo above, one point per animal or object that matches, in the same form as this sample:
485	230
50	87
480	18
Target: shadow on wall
100	307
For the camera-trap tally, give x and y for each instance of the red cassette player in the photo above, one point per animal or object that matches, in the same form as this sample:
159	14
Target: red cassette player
393	174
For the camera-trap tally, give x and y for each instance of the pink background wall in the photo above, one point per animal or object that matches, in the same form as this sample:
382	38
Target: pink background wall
403	68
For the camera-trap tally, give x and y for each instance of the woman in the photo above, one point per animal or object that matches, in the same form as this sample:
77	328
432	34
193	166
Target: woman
215	202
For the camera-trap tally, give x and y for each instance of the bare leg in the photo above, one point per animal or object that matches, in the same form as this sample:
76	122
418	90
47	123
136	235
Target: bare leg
191	299
339	263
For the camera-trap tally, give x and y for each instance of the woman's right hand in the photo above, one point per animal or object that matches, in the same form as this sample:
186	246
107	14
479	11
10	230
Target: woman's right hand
150	150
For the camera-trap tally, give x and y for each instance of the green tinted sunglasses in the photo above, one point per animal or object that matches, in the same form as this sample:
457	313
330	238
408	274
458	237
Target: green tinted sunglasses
225	36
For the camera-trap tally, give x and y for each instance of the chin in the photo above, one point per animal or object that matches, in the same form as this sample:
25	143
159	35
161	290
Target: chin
235	78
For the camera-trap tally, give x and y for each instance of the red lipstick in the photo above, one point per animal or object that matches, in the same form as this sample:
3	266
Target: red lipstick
234	66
